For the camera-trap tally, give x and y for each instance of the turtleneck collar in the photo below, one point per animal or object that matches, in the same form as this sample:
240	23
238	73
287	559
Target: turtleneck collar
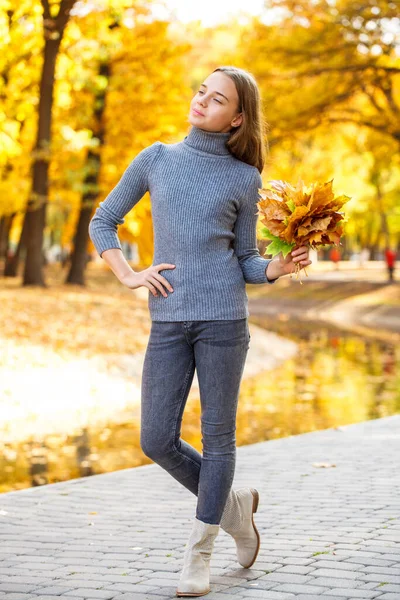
207	141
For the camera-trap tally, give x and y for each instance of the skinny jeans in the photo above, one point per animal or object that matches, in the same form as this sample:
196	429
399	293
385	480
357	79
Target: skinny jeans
217	350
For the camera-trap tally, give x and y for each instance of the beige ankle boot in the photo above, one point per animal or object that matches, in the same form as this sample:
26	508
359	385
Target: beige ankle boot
195	575
237	520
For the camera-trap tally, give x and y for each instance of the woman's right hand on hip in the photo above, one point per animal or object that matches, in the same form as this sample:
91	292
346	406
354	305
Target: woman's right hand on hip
149	278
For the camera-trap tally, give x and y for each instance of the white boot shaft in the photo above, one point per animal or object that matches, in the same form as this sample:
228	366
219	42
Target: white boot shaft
195	575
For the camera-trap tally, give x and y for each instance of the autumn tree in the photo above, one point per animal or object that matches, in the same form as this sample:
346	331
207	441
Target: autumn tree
329	62
18	82
324	65
129	92
55	19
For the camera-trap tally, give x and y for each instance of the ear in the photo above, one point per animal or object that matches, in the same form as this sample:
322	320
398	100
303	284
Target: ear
237	120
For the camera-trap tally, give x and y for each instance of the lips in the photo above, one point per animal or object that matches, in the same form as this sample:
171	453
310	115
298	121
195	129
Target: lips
198	112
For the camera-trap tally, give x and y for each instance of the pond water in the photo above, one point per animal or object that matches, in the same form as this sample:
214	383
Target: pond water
336	378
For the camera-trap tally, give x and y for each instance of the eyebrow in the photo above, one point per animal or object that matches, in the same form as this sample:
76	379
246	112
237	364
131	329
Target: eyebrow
219	93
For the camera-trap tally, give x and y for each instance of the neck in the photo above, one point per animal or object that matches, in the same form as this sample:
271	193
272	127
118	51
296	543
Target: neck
207	141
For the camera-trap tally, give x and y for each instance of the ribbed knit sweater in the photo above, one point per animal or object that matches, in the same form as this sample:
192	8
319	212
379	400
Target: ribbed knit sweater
204	212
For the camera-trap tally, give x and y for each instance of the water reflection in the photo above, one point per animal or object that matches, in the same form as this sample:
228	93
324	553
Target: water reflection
38	463
336	378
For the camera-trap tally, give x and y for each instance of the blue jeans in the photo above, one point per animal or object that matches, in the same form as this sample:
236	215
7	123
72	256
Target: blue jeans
217	350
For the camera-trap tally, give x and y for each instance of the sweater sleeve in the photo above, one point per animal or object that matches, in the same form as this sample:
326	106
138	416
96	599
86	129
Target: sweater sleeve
252	263
110	213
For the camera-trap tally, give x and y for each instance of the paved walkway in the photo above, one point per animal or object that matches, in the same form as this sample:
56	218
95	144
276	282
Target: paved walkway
329	519
369	309
378	310
351	270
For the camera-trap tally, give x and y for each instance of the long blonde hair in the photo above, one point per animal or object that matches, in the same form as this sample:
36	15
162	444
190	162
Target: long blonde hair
248	142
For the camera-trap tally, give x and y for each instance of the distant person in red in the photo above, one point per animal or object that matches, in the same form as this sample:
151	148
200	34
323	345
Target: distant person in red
390	258
334	256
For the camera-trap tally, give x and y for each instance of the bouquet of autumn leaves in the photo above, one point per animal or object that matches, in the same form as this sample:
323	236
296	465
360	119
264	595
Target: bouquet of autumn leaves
299	216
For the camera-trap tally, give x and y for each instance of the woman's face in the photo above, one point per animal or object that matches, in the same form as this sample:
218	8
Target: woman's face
215	104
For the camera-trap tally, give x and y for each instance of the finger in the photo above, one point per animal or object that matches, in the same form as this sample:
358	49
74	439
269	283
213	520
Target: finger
300	257
151	288
165	266
164	281
158	285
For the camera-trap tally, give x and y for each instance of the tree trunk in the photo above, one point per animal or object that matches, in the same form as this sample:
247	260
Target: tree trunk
79	256
11	264
35	216
383	216
5	227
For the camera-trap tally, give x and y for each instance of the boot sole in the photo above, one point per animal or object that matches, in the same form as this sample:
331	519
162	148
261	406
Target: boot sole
179	594
256	498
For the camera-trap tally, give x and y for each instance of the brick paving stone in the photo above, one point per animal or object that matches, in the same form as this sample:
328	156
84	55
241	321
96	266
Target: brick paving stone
334	582
13	571
395	571
389	587
295	569
311	596
19	596
378	548
267	566
298	561
31	579
341	573
32	566
367	562
343	554
78	583
379	577
393	557
17	587
139	588
325	533
223	594
267	595
136	596
351	593
90	593
334	565
329	557
371	585
286	577
53	590
296	588
258	584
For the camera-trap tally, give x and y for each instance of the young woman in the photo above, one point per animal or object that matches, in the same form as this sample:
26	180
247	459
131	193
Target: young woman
204	191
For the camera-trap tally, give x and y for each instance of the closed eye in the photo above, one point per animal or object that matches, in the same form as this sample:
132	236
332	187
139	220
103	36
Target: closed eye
216	100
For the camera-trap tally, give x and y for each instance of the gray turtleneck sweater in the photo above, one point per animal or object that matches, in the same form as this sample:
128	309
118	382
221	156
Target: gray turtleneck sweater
204	209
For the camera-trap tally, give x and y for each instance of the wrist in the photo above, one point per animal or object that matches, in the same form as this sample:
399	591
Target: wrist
274	269
126	275
117	263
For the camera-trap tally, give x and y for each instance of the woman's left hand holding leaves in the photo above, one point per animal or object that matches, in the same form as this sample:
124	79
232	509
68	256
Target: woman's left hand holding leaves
298	256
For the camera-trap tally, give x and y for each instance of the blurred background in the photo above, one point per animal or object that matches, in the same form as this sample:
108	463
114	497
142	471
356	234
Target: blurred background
84	86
